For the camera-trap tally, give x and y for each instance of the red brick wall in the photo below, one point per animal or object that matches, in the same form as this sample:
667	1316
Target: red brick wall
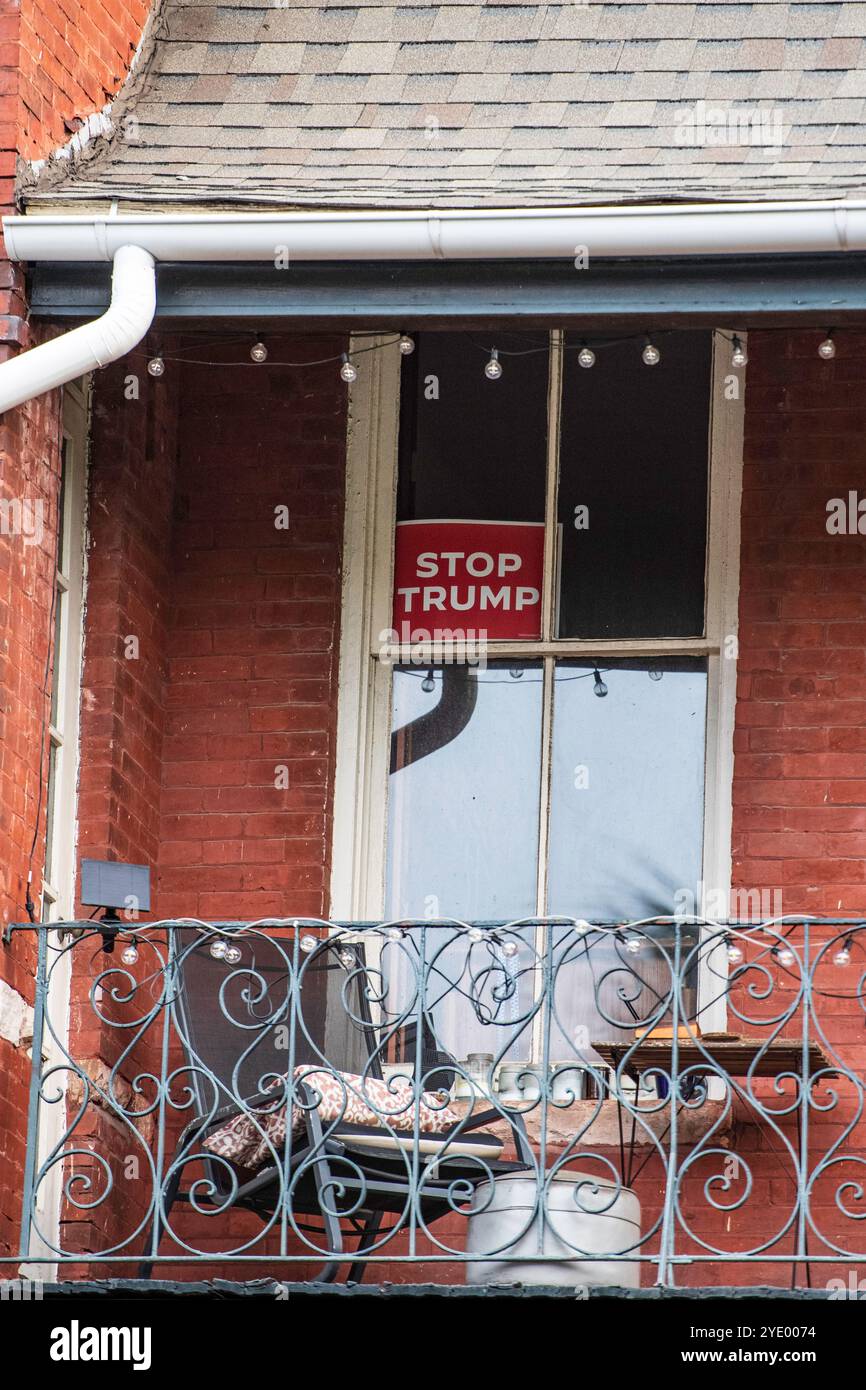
800	772
28	473
73	57
60	60
253	645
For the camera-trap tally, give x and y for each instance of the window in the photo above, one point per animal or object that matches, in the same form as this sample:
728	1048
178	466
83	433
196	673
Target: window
586	522
62	772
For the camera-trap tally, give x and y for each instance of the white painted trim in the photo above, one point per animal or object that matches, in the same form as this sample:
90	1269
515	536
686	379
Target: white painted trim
364	699
723	594
71	639
76	403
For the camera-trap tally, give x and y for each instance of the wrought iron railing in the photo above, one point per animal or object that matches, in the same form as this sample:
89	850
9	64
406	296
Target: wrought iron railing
545	1101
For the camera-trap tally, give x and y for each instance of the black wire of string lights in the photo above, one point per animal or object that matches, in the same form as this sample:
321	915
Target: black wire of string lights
587	350
428	677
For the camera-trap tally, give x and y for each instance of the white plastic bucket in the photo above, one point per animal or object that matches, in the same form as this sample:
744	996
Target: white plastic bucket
583	1215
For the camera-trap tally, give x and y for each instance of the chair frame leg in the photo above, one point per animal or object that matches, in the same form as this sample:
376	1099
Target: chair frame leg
368	1236
160	1221
324	1181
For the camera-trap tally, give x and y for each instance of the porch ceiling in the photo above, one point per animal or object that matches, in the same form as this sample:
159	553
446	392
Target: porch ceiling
375	103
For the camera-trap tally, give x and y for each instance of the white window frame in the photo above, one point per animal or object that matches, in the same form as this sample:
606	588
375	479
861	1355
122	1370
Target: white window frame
58	893
364	710
58	886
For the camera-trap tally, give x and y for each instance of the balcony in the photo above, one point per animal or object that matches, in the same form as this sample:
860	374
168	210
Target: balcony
674	1103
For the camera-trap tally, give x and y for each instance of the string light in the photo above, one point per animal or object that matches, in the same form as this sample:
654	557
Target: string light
784	955
510	948
309	943
428	684
827	349
586	356
734	952
843	955
129	954
259	354
218	949
232	955
493	368
598	684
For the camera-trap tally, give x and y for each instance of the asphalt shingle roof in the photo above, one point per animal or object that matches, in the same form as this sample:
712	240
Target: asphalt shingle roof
383	103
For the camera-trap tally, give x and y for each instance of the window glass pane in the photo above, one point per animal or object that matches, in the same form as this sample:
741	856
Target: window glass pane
470	448
634	454
464	792
477	999
63	538
51	808
603	992
627	790
59	655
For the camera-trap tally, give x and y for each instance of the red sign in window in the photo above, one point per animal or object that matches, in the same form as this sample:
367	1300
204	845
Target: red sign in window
477	578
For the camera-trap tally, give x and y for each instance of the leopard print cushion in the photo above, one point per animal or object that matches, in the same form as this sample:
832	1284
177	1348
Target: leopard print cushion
252	1139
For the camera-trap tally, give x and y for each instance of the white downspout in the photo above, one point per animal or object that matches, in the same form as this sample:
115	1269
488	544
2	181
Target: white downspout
95	344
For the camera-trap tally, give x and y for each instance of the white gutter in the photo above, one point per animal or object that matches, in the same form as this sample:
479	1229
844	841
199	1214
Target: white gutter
666	230
134	240
95	344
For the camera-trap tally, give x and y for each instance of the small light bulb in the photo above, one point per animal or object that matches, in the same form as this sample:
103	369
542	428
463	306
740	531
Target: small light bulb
633	945
129	954
309	943
734	953
843	955
655	674
598	684
738	354
394	934
493	368
407	345
515	672
581	927
827	349
218	949
258	352
510	948
156	366
348	371
786	956
651	354
586	356
475	934
347	957
232	955
428	685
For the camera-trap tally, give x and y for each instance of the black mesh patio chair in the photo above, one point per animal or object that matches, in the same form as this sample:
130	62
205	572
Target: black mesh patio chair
234	1022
